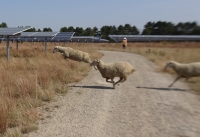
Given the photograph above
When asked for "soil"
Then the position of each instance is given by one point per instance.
(142, 106)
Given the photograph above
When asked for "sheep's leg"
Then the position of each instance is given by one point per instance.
(108, 81)
(125, 78)
(65, 55)
(121, 78)
(113, 83)
(174, 81)
(95, 67)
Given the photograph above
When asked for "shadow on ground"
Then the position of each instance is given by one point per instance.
(96, 87)
(166, 89)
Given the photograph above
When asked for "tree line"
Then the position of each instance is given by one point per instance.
(168, 28)
(150, 28)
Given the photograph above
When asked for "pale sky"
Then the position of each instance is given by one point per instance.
(90, 13)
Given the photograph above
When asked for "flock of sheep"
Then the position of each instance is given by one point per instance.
(124, 69)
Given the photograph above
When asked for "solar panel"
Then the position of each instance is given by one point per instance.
(42, 39)
(132, 38)
(27, 34)
(83, 38)
(104, 40)
(39, 34)
(12, 31)
(87, 39)
(63, 36)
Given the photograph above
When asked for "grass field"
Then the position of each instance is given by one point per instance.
(33, 77)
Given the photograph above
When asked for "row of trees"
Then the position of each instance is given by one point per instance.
(168, 28)
(150, 28)
(105, 30)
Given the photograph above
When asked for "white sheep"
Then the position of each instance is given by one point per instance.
(73, 54)
(110, 71)
(184, 70)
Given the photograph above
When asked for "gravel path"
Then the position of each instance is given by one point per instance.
(143, 106)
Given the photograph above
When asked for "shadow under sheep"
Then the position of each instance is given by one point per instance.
(164, 89)
(95, 87)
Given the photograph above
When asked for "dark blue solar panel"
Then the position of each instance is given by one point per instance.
(39, 34)
(12, 31)
(63, 36)
(119, 38)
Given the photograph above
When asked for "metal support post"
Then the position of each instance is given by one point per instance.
(8, 49)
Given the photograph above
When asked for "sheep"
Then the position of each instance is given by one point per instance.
(110, 71)
(73, 54)
(184, 70)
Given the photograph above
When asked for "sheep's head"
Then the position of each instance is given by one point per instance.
(55, 49)
(169, 65)
(95, 63)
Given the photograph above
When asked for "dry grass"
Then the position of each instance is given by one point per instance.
(33, 76)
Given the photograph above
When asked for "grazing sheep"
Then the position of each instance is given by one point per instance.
(184, 70)
(110, 71)
(73, 54)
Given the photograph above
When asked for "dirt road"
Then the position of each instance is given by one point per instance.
(143, 106)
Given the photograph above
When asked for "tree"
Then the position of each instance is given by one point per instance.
(70, 29)
(121, 30)
(148, 28)
(163, 28)
(79, 31)
(127, 28)
(95, 31)
(113, 30)
(38, 30)
(3, 25)
(158, 28)
(134, 31)
(105, 31)
(88, 32)
(63, 29)
(47, 30)
(187, 28)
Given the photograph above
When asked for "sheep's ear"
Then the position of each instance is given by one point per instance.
(98, 61)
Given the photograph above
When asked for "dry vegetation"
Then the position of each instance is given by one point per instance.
(33, 76)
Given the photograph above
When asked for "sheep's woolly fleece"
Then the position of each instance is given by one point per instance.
(184, 70)
(73, 54)
(112, 70)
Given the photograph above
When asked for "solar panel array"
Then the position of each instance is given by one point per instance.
(45, 36)
(12, 31)
(41, 37)
(83, 38)
(133, 38)
(87, 39)
(7, 32)
(63, 36)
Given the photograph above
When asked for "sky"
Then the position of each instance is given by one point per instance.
(96, 13)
